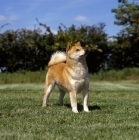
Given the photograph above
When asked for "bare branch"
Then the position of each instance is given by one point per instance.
(4, 25)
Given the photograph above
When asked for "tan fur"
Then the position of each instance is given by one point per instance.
(71, 76)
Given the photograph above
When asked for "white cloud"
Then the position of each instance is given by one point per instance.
(8, 19)
(54, 31)
(2, 18)
(13, 18)
(81, 19)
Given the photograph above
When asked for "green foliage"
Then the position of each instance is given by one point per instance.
(123, 1)
(125, 50)
(24, 49)
(31, 49)
(127, 15)
(114, 113)
(92, 38)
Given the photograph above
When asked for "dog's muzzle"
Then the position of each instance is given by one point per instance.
(85, 54)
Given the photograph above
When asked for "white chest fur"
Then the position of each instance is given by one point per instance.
(79, 75)
(77, 85)
(78, 71)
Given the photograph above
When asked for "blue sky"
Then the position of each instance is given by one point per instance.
(23, 13)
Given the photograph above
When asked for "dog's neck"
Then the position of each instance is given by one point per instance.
(74, 63)
(77, 68)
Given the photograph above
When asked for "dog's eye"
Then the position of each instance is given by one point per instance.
(77, 50)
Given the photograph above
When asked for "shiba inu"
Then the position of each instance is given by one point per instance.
(69, 72)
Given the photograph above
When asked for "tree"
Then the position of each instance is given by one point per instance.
(24, 50)
(127, 15)
(31, 49)
(92, 38)
(122, 1)
(127, 47)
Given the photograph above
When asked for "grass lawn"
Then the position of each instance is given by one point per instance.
(114, 113)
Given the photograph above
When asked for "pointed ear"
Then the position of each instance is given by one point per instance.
(68, 47)
(78, 43)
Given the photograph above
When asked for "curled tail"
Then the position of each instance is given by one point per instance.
(56, 58)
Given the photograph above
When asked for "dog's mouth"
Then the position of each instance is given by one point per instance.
(85, 54)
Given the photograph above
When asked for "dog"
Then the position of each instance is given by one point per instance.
(69, 72)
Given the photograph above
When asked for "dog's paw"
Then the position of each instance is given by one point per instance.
(75, 111)
(86, 110)
(43, 105)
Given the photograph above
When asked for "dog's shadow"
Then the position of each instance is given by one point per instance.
(80, 107)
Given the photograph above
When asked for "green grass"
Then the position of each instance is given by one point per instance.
(39, 76)
(112, 75)
(114, 113)
(23, 77)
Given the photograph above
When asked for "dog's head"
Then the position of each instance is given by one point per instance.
(76, 51)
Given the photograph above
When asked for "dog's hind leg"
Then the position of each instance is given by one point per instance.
(61, 96)
(47, 90)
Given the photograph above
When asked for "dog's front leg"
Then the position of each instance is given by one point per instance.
(73, 101)
(85, 98)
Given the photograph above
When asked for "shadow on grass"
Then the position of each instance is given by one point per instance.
(80, 107)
